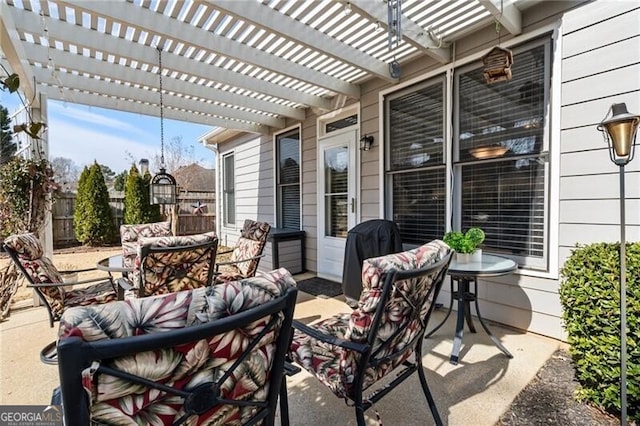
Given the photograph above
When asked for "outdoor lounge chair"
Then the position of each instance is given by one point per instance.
(247, 253)
(214, 355)
(129, 235)
(27, 253)
(351, 352)
(169, 264)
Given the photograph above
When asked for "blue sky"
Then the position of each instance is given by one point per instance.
(85, 134)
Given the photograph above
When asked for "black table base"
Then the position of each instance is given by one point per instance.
(464, 296)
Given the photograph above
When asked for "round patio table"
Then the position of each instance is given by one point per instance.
(462, 276)
(113, 264)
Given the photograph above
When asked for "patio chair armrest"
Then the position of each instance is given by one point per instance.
(71, 271)
(233, 262)
(87, 281)
(224, 252)
(347, 344)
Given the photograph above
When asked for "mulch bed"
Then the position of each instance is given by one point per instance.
(548, 399)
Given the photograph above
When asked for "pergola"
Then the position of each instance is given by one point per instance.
(243, 65)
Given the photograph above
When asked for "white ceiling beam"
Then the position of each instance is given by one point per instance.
(12, 47)
(119, 90)
(152, 22)
(128, 105)
(73, 34)
(412, 33)
(508, 15)
(262, 16)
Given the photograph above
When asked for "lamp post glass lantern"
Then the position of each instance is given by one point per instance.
(619, 132)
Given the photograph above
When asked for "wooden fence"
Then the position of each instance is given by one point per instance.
(189, 222)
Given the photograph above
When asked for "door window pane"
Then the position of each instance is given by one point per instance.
(228, 188)
(336, 183)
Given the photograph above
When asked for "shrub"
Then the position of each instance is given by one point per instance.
(137, 207)
(25, 189)
(590, 298)
(96, 220)
(80, 208)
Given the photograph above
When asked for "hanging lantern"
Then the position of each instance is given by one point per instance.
(497, 65)
(163, 188)
(163, 185)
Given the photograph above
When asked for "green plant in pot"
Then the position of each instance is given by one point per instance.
(465, 244)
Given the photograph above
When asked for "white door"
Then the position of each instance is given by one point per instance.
(337, 202)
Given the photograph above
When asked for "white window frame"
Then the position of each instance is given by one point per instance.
(277, 208)
(553, 120)
(225, 201)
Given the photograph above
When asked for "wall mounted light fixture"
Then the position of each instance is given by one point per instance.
(619, 131)
(365, 142)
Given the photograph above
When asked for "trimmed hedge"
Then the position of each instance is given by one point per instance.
(590, 298)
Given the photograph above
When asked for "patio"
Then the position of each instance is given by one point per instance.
(476, 391)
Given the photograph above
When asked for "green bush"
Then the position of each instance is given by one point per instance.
(93, 212)
(80, 207)
(590, 298)
(137, 207)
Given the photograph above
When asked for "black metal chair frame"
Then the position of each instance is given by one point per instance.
(75, 355)
(37, 286)
(369, 358)
(179, 270)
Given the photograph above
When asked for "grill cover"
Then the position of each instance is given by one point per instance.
(372, 238)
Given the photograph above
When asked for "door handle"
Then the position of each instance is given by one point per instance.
(353, 205)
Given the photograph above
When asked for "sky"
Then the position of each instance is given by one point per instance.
(86, 134)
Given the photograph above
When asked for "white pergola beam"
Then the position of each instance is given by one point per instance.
(508, 15)
(412, 33)
(128, 105)
(262, 16)
(72, 34)
(12, 47)
(152, 22)
(118, 90)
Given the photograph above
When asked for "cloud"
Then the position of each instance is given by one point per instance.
(84, 145)
(82, 114)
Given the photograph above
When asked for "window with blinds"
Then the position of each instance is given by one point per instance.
(501, 157)
(415, 166)
(228, 189)
(288, 179)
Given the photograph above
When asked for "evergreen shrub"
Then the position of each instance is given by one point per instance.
(93, 201)
(590, 298)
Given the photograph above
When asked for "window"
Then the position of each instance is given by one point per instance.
(499, 163)
(501, 166)
(288, 179)
(228, 190)
(415, 168)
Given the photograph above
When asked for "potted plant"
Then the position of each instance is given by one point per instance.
(466, 244)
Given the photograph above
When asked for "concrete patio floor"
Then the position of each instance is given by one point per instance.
(474, 392)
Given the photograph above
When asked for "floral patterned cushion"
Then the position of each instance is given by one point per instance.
(169, 271)
(129, 235)
(40, 269)
(251, 243)
(117, 401)
(335, 366)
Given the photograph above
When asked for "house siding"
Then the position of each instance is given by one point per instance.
(599, 50)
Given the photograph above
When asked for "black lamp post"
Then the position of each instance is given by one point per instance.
(619, 132)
